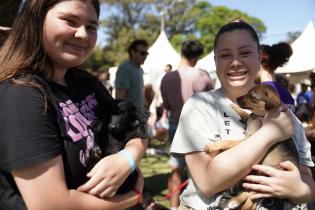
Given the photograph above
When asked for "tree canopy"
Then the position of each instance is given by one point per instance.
(126, 20)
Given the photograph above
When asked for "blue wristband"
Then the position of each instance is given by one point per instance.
(131, 162)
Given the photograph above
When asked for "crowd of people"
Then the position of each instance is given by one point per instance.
(53, 113)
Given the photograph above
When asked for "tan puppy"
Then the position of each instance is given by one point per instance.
(259, 100)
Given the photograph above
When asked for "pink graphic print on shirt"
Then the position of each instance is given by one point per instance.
(78, 118)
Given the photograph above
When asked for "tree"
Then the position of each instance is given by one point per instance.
(126, 20)
(292, 36)
(96, 61)
(210, 19)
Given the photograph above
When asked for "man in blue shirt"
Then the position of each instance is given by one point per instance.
(129, 77)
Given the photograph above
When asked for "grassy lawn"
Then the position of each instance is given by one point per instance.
(155, 169)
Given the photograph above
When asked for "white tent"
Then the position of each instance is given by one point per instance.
(303, 57)
(161, 53)
(207, 63)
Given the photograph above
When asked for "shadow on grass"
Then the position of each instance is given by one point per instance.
(156, 169)
(156, 184)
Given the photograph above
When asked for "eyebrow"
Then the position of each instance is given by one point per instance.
(246, 46)
(76, 17)
(240, 48)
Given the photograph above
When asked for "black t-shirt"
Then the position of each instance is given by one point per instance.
(39, 123)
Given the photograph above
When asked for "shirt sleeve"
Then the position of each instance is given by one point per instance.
(122, 77)
(28, 130)
(196, 126)
(302, 144)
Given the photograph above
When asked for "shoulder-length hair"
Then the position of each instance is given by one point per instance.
(23, 52)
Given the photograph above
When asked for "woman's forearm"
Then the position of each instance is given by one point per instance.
(83, 201)
(137, 148)
(232, 165)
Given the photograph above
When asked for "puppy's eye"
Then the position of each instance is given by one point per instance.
(252, 96)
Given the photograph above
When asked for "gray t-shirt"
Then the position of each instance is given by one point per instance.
(130, 77)
(208, 116)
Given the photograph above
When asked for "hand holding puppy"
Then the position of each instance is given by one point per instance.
(272, 182)
(106, 176)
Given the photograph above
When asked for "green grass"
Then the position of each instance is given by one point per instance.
(156, 170)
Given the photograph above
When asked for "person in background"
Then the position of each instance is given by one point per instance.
(292, 90)
(158, 98)
(310, 93)
(168, 68)
(49, 109)
(158, 121)
(149, 94)
(303, 97)
(176, 87)
(103, 75)
(129, 76)
(209, 117)
(273, 57)
(303, 105)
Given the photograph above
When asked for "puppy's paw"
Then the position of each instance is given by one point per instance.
(207, 148)
(239, 201)
(213, 149)
(233, 204)
(241, 112)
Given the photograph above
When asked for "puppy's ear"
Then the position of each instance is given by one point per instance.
(271, 104)
(272, 98)
(142, 113)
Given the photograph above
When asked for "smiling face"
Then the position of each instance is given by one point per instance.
(237, 62)
(70, 33)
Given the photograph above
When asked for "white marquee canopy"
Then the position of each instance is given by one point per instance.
(161, 53)
(207, 63)
(303, 57)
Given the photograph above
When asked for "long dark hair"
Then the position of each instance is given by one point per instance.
(23, 52)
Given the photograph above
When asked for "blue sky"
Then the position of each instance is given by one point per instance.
(279, 16)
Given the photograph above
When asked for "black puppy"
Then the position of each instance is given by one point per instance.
(129, 121)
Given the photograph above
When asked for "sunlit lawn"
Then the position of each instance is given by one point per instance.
(155, 169)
